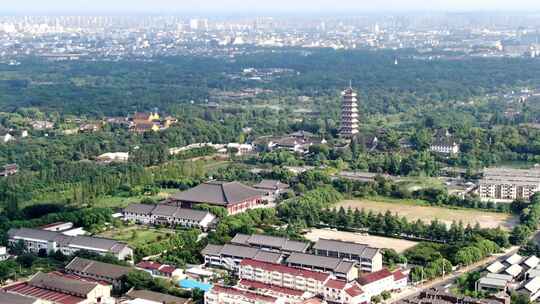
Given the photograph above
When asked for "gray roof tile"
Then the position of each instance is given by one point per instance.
(139, 208)
(337, 265)
(361, 250)
(270, 184)
(65, 285)
(156, 297)
(97, 268)
(12, 298)
(239, 251)
(218, 193)
(280, 243)
(168, 211)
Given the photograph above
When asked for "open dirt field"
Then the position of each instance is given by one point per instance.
(371, 240)
(428, 213)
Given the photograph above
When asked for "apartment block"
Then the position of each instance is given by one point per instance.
(505, 184)
(229, 256)
(368, 259)
(277, 278)
(340, 268)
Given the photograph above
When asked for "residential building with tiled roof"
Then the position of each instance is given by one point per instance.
(267, 242)
(272, 188)
(444, 143)
(274, 291)
(508, 184)
(154, 297)
(232, 295)
(170, 215)
(343, 269)
(106, 272)
(52, 241)
(297, 284)
(60, 290)
(159, 270)
(230, 255)
(13, 298)
(383, 280)
(369, 259)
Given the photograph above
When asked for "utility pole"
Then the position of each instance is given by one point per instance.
(443, 269)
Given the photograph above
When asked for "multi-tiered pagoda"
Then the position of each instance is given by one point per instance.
(349, 114)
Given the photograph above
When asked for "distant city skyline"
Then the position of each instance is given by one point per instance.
(322, 7)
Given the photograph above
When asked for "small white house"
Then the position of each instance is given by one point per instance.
(3, 253)
(5, 138)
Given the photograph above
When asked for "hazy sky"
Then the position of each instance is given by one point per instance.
(246, 6)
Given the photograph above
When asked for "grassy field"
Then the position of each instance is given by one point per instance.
(362, 238)
(415, 183)
(414, 210)
(122, 202)
(137, 235)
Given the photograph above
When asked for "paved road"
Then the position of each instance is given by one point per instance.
(450, 279)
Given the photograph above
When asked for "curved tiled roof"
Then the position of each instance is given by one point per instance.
(219, 193)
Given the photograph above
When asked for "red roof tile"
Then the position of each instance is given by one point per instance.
(398, 275)
(335, 284)
(374, 276)
(244, 293)
(354, 291)
(43, 294)
(319, 276)
(314, 300)
(149, 265)
(79, 278)
(267, 287)
(167, 269)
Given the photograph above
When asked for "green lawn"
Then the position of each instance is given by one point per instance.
(415, 183)
(137, 235)
(121, 202)
(211, 165)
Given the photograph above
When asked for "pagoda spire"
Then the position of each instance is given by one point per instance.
(349, 113)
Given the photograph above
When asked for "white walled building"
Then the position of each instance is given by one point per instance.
(3, 253)
(35, 240)
(231, 295)
(506, 184)
(280, 278)
(375, 283)
(368, 259)
(163, 214)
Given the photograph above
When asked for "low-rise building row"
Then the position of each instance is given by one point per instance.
(342, 259)
(159, 270)
(52, 241)
(513, 274)
(506, 184)
(103, 272)
(278, 283)
(57, 289)
(169, 215)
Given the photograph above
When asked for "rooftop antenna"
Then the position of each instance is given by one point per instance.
(350, 84)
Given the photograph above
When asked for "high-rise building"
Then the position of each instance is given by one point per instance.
(349, 114)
